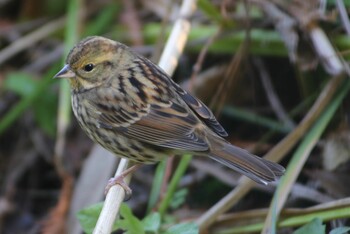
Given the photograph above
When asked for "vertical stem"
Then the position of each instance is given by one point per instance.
(64, 113)
(180, 170)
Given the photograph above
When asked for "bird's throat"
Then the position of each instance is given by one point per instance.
(75, 84)
(81, 85)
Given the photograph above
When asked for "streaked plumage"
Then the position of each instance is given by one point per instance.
(132, 108)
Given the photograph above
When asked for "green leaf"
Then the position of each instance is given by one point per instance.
(179, 198)
(45, 111)
(314, 227)
(212, 12)
(21, 83)
(156, 186)
(209, 9)
(151, 223)
(340, 230)
(180, 171)
(183, 228)
(103, 20)
(129, 223)
(88, 217)
(45, 107)
(16, 111)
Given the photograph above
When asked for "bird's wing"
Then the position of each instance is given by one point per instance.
(171, 127)
(202, 111)
(167, 127)
(198, 107)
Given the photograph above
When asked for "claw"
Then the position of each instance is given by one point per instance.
(119, 180)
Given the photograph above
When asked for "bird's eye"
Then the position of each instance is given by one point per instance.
(89, 67)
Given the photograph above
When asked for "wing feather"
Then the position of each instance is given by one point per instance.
(204, 113)
(198, 107)
(171, 127)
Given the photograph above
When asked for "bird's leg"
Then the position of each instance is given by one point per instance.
(119, 179)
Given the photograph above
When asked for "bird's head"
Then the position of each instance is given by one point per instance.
(91, 62)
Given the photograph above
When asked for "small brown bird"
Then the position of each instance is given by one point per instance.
(132, 108)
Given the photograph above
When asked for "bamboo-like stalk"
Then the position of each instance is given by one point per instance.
(168, 63)
(113, 201)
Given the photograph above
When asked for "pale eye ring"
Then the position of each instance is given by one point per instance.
(89, 67)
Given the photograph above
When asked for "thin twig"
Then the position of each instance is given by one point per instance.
(198, 65)
(166, 177)
(230, 77)
(325, 51)
(45, 60)
(284, 24)
(12, 32)
(344, 16)
(132, 21)
(272, 96)
(234, 67)
(28, 40)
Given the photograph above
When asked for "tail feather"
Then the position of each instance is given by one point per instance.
(277, 169)
(258, 169)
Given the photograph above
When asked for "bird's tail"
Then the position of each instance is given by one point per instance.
(258, 169)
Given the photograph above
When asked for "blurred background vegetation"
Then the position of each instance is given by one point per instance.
(268, 70)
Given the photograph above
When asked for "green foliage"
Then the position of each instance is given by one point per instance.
(262, 42)
(183, 228)
(340, 230)
(54, 7)
(103, 20)
(21, 83)
(179, 172)
(151, 224)
(128, 222)
(45, 111)
(211, 11)
(156, 186)
(178, 198)
(333, 3)
(45, 105)
(88, 217)
(314, 227)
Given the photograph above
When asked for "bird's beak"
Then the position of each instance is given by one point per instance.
(65, 72)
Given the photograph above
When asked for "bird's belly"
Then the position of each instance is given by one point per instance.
(127, 148)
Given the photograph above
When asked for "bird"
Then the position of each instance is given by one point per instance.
(131, 107)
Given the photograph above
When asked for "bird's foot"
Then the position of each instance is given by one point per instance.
(120, 181)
